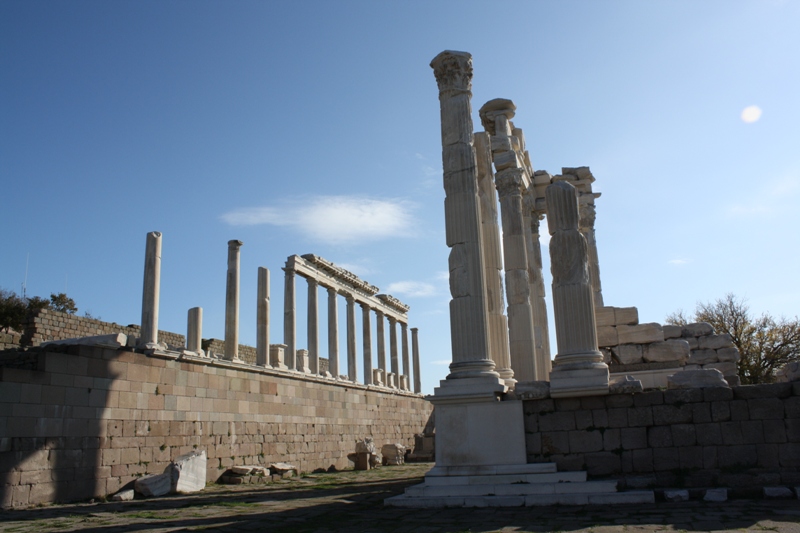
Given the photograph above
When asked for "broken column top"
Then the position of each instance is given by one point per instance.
(561, 194)
(492, 108)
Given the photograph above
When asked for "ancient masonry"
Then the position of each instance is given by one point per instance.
(90, 407)
(510, 429)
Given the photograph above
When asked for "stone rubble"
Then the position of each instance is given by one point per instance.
(189, 472)
(393, 454)
(153, 485)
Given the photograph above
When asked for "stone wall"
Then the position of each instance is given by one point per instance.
(86, 421)
(733, 437)
(48, 325)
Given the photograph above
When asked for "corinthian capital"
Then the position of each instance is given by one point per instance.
(587, 216)
(453, 71)
(510, 181)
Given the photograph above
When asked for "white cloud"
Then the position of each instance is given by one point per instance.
(441, 362)
(772, 199)
(411, 288)
(751, 114)
(356, 268)
(333, 219)
(679, 262)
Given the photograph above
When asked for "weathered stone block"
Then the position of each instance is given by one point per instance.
(739, 410)
(640, 416)
(604, 316)
(665, 415)
(731, 433)
(682, 396)
(739, 456)
(628, 316)
(702, 357)
(628, 354)
(728, 355)
(585, 441)
(684, 435)
(666, 459)
(696, 379)
(640, 334)
(715, 342)
(774, 431)
(655, 397)
(669, 350)
(680, 495)
(691, 457)
(602, 463)
(633, 438)
(698, 329)
(672, 332)
(188, 472)
(765, 408)
(607, 336)
(153, 485)
(659, 437)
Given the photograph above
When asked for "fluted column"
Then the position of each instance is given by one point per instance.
(393, 350)
(151, 292)
(541, 334)
(333, 334)
(415, 356)
(313, 326)
(380, 322)
(262, 318)
(578, 369)
(289, 320)
(468, 311)
(194, 330)
(352, 371)
(492, 260)
(367, 333)
(404, 351)
(586, 225)
(232, 302)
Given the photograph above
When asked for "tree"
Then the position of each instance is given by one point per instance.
(63, 303)
(764, 343)
(13, 310)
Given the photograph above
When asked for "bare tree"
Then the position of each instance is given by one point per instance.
(764, 343)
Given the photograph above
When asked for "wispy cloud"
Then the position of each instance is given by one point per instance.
(679, 262)
(411, 288)
(773, 199)
(441, 362)
(333, 219)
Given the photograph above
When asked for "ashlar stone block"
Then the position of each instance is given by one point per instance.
(607, 336)
(640, 334)
(669, 350)
(628, 354)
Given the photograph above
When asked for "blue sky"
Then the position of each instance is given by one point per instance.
(313, 127)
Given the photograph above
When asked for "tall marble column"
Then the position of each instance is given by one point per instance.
(151, 291)
(415, 356)
(313, 326)
(393, 350)
(578, 369)
(262, 318)
(492, 260)
(468, 310)
(367, 333)
(404, 351)
(541, 334)
(289, 319)
(232, 302)
(333, 334)
(194, 330)
(381, 345)
(586, 225)
(352, 371)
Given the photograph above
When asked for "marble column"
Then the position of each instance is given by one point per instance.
(404, 351)
(262, 318)
(586, 225)
(381, 344)
(232, 302)
(352, 371)
(313, 326)
(492, 260)
(151, 292)
(468, 310)
(541, 334)
(194, 330)
(333, 334)
(367, 333)
(578, 369)
(393, 350)
(415, 357)
(289, 319)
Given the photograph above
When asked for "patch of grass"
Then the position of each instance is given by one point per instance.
(234, 504)
(150, 515)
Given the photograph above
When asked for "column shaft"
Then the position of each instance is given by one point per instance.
(151, 291)
(313, 327)
(262, 318)
(194, 330)
(381, 344)
(352, 371)
(232, 302)
(333, 334)
(289, 320)
(393, 349)
(367, 333)
(404, 348)
(415, 356)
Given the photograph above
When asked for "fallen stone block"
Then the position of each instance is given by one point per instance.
(113, 340)
(625, 385)
(393, 454)
(696, 379)
(669, 350)
(153, 485)
(284, 469)
(716, 495)
(640, 334)
(123, 496)
(241, 470)
(789, 372)
(189, 472)
(778, 493)
(676, 495)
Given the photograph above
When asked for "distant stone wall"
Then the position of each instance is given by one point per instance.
(86, 421)
(48, 325)
(216, 346)
(738, 437)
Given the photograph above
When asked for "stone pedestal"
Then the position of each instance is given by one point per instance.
(377, 377)
(262, 318)
(232, 302)
(302, 361)
(578, 369)
(276, 356)
(151, 292)
(194, 330)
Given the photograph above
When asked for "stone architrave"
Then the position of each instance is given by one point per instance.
(492, 260)
(468, 310)
(262, 318)
(352, 371)
(333, 334)
(578, 369)
(415, 357)
(312, 327)
(380, 324)
(367, 333)
(404, 351)
(194, 330)
(393, 347)
(232, 302)
(289, 318)
(151, 292)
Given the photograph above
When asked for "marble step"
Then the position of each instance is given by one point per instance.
(552, 477)
(513, 489)
(530, 500)
(491, 470)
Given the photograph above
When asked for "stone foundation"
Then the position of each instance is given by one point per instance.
(84, 422)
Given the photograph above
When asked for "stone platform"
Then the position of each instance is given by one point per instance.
(529, 485)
